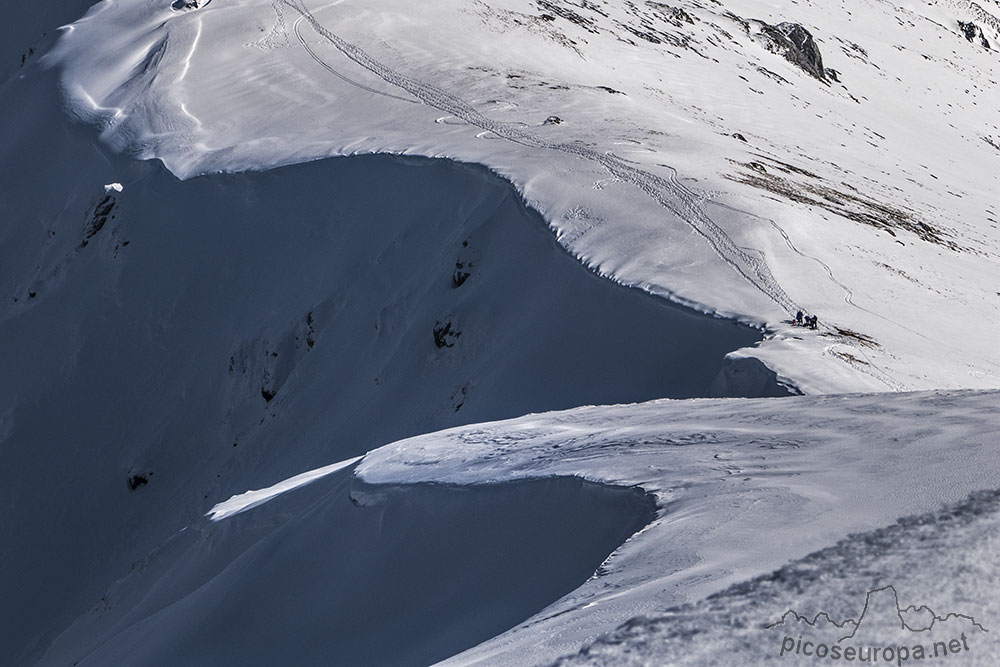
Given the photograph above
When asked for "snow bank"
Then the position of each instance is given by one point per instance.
(168, 344)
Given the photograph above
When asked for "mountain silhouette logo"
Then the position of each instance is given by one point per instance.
(912, 618)
(883, 628)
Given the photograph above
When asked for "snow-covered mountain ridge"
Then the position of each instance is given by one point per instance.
(225, 380)
(169, 343)
(658, 140)
(749, 488)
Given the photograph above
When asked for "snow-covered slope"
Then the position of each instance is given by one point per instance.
(173, 336)
(168, 342)
(663, 142)
(28, 28)
(741, 487)
(935, 571)
(356, 575)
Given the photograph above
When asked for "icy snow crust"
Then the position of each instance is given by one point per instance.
(250, 499)
(865, 198)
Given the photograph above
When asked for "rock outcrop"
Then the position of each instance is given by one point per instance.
(974, 33)
(797, 45)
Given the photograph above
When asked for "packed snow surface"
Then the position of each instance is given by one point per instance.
(923, 588)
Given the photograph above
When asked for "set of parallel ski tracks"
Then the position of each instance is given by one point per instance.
(669, 193)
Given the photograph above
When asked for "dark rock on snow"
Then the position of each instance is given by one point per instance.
(135, 481)
(973, 32)
(445, 335)
(797, 45)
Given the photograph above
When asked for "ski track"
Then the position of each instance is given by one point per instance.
(872, 370)
(322, 63)
(668, 193)
(849, 295)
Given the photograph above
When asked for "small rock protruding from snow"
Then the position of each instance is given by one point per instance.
(104, 211)
(445, 335)
(135, 481)
(973, 32)
(460, 275)
(797, 45)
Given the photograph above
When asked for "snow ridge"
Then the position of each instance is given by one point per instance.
(250, 499)
(668, 193)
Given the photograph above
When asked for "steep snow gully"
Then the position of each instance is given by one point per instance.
(168, 344)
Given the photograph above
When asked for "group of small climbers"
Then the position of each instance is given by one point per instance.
(808, 321)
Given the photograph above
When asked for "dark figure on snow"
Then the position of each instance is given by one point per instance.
(798, 318)
(811, 322)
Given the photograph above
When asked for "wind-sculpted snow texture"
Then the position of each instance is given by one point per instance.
(897, 586)
(440, 541)
(745, 487)
(833, 157)
(668, 193)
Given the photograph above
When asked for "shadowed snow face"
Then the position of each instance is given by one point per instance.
(352, 574)
(168, 344)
